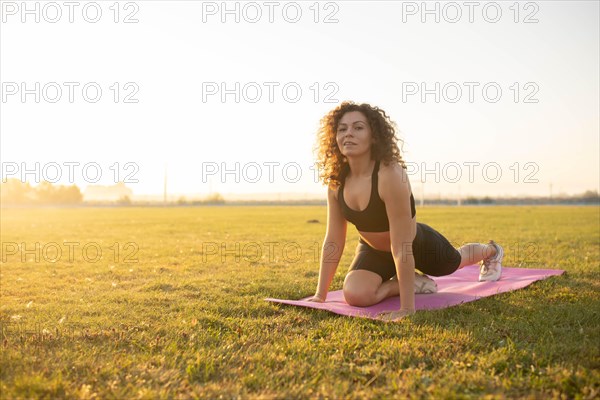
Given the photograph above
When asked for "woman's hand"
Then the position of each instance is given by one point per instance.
(393, 316)
(316, 299)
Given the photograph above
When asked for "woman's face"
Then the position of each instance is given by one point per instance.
(354, 135)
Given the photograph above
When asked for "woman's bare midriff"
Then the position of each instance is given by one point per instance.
(377, 240)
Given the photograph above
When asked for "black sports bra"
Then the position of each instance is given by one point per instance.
(374, 217)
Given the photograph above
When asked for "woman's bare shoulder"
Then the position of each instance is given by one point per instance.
(393, 170)
(393, 177)
(332, 191)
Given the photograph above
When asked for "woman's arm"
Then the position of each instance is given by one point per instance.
(333, 245)
(403, 228)
(330, 258)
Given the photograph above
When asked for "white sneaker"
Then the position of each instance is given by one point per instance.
(424, 284)
(491, 268)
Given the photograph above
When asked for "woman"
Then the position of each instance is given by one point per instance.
(368, 185)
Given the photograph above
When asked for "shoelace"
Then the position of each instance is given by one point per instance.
(486, 266)
(486, 261)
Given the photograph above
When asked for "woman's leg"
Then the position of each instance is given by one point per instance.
(434, 254)
(472, 253)
(364, 288)
(368, 279)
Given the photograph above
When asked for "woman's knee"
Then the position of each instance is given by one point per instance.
(359, 297)
(360, 288)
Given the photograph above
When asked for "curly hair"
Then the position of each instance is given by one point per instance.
(332, 163)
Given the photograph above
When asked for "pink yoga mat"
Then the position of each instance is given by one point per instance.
(460, 287)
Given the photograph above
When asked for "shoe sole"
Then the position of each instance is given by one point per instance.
(492, 278)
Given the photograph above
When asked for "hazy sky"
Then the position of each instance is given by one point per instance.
(536, 123)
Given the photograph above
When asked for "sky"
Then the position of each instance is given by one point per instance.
(499, 99)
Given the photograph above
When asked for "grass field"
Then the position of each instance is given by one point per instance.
(188, 319)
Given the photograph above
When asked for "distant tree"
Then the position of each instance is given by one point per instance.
(72, 194)
(214, 198)
(590, 196)
(67, 195)
(13, 191)
(47, 193)
(471, 200)
(124, 201)
(182, 201)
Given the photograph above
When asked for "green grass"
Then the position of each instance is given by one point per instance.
(182, 323)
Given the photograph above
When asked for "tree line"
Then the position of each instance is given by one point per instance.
(13, 191)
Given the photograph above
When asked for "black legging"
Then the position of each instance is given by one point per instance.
(433, 254)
